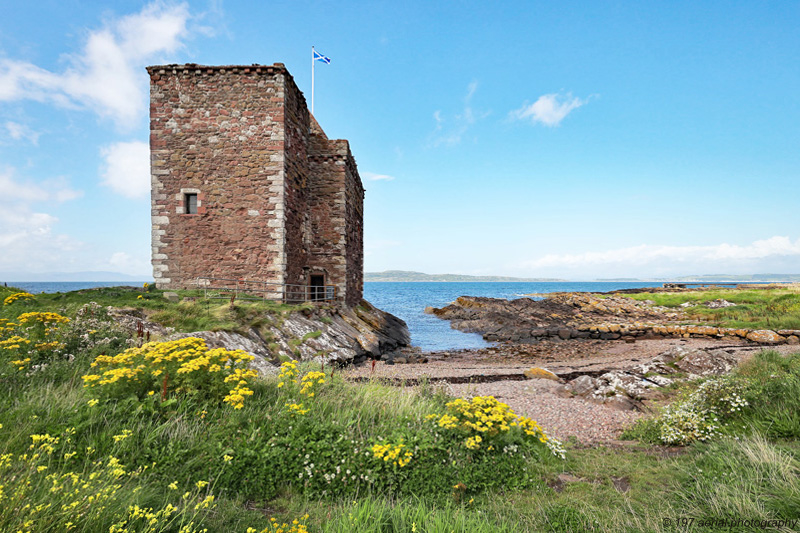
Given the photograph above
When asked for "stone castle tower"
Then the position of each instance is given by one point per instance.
(246, 185)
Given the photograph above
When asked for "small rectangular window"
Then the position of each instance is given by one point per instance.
(190, 203)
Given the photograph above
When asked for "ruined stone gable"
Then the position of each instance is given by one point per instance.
(246, 185)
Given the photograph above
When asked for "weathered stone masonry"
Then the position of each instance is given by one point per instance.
(277, 200)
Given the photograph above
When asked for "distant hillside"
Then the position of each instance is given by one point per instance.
(405, 275)
(71, 276)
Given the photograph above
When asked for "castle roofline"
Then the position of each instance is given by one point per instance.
(155, 71)
(255, 68)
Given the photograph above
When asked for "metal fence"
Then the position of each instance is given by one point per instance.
(239, 289)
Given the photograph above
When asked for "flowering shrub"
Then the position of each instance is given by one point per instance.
(288, 373)
(93, 331)
(37, 493)
(24, 296)
(308, 382)
(484, 419)
(297, 526)
(45, 318)
(392, 453)
(700, 415)
(184, 365)
(296, 408)
(33, 339)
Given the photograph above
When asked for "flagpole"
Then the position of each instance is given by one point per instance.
(312, 80)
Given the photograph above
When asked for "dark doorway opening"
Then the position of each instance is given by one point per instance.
(317, 287)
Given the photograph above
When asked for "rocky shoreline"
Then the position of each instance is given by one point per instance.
(580, 364)
(585, 316)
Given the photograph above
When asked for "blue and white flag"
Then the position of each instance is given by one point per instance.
(320, 57)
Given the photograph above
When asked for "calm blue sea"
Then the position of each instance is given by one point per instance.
(35, 287)
(408, 301)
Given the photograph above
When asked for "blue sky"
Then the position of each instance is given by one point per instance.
(574, 139)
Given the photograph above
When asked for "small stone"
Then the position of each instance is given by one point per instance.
(540, 373)
(793, 340)
(172, 297)
(622, 484)
(718, 304)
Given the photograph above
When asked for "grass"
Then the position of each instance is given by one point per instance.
(755, 308)
(753, 474)
(185, 441)
(192, 313)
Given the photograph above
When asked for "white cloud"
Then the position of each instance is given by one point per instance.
(19, 132)
(371, 176)
(128, 264)
(549, 109)
(108, 76)
(26, 235)
(12, 190)
(450, 131)
(126, 168)
(772, 254)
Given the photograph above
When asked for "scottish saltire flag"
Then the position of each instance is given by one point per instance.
(320, 57)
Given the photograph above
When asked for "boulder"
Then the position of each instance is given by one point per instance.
(703, 363)
(765, 336)
(620, 403)
(630, 384)
(582, 386)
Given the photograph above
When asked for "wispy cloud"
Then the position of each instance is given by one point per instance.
(129, 264)
(20, 132)
(16, 191)
(371, 176)
(450, 131)
(549, 109)
(27, 235)
(126, 168)
(649, 260)
(107, 76)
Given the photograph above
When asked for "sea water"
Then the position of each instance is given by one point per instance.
(408, 301)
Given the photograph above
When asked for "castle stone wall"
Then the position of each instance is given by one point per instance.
(219, 133)
(278, 200)
(354, 231)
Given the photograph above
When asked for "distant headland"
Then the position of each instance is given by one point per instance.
(406, 275)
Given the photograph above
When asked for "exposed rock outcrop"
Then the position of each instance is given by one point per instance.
(559, 315)
(625, 389)
(329, 335)
(583, 316)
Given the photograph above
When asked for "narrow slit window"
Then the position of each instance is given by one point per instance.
(190, 201)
